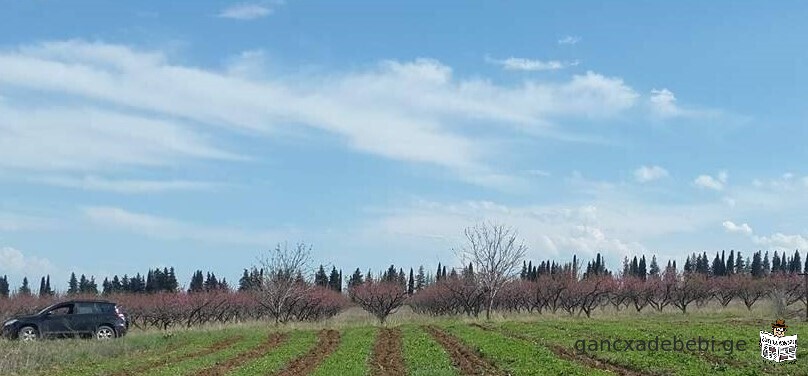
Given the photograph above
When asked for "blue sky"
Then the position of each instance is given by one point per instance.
(147, 133)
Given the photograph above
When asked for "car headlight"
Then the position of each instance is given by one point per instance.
(9, 322)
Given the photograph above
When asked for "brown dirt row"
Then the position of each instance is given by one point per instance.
(388, 359)
(564, 353)
(219, 369)
(210, 349)
(327, 343)
(468, 361)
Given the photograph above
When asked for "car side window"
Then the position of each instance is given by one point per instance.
(62, 310)
(85, 308)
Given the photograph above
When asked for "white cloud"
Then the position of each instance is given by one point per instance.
(569, 39)
(782, 241)
(663, 103)
(16, 263)
(137, 108)
(246, 12)
(94, 183)
(714, 183)
(167, 228)
(649, 173)
(732, 227)
(777, 240)
(522, 64)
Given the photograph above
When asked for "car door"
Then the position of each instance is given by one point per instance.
(86, 317)
(57, 321)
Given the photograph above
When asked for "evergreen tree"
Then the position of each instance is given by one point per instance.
(320, 278)
(244, 281)
(766, 266)
(740, 264)
(106, 287)
(334, 282)
(523, 273)
(355, 279)
(4, 288)
(730, 265)
(172, 285)
(775, 263)
(369, 277)
(626, 269)
(116, 284)
(420, 279)
(642, 270)
(444, 272)
(757, 265)
(411, 283)
(73, 285)
(42, 291)
(654, 270)
(439, 273)
(689, 267)
(717, 265)
(197, 282)
(48, 289)
(24, 290)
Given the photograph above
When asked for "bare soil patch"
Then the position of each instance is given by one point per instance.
(210, 349)
(388, 359)
(327, 343)
(468, 361)
(274, 340)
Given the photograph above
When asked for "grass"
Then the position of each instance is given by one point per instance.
(517, 357)
(297, 344)
(518, 344)
(352, 356)
(423, 355)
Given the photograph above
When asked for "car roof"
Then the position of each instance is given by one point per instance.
(86, 301)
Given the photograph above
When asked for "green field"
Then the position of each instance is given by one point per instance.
(533, 346)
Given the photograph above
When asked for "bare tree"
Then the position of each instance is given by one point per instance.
(380, 298)
(496, 254)
(283, 282)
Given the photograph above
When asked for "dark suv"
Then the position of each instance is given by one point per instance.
(98, 318)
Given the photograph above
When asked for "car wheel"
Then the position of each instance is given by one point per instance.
(104, 332)
(28, 333)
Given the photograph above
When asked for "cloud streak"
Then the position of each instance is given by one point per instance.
(139, 109)
(246, 12)
(531, 65)
(172, 229)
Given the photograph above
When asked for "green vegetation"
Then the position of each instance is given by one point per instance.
(529, 347)
(423, 355)
(352, 356)
(298, 343)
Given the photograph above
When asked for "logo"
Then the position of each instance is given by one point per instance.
(776, 346)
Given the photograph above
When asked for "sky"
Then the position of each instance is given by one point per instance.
(201, 134)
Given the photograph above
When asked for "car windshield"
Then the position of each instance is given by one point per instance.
(46, 309)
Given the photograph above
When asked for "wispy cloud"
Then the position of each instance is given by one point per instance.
(246, 12)
(569, 39)
(137, 109)
(709, 182)
(168, 228)
(95, 183)
(522, 64)
(664, 104)
(11, 222)
(646, 174)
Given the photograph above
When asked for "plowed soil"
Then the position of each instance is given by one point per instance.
(274, 340)
(468, 361)
(212, 348)
(388, 359)
(327, 343)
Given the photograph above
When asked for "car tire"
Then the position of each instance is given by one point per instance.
(27, 334)
(105, 332)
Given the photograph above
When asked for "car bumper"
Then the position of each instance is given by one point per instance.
(9, 332)
(121, 330)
